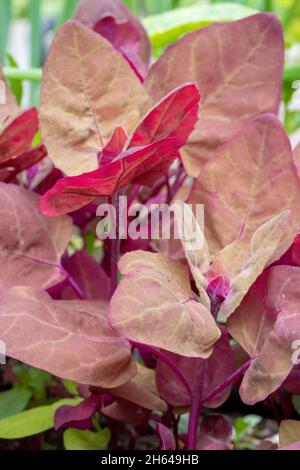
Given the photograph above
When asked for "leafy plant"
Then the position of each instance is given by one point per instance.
(151, 332)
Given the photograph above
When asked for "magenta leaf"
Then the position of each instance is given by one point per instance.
(25, 160)
(114, 22)
(17, 133)
(215, 433)
(166, 436)
(163, 131)
(88, 275)
(80, 416)
(69, 338)
(174, 116)
(31, 244)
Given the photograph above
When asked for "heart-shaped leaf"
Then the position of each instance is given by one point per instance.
(258, 164)
(166, 294)
(71, 339)
(252, 259)
(266, 325)
(31, 244)
(237, 67)
(88, 89)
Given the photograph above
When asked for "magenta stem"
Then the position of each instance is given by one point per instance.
(180, 177)
(196, 406)
(115, 249)
(198, 400)
(229, 381)
(163, 357)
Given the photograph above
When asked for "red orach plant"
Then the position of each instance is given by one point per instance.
(181, 328)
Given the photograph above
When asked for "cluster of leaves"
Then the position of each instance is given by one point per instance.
(182, 327)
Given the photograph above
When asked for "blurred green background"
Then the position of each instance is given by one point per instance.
(28, 26)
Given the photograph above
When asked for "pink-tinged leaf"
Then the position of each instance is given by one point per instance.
(166, 437)
(252, 258)
(266, 325)
(236, 206)
(27, 159)
(114, 146)
(10, 108)
(289, 435)
(195, 248)
(80, 416)
(174, 116)
(31, 244)
(166, 293)
(89, 276)
(115, 22)
(297, 157)
(219, 367)
(141, 390)
(138, 394)
(237, 67)
(71, 339)
(17, 133)
(292, 382)
(126, 412)
(88, 89)
(71, 193)
(215, 433)
(295, 251)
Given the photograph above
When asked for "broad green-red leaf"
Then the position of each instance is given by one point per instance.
(252, 179)
(88, 89)
(71, 339)
(31, 244)
(154, 304)
(251, 259)
(237, 67)
(266, 325)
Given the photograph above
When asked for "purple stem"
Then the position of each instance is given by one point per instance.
(115, 249)
(196, 406)
(198, 399)
(133, 194)
(161, 355)
(229, 381)
(180, 177)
